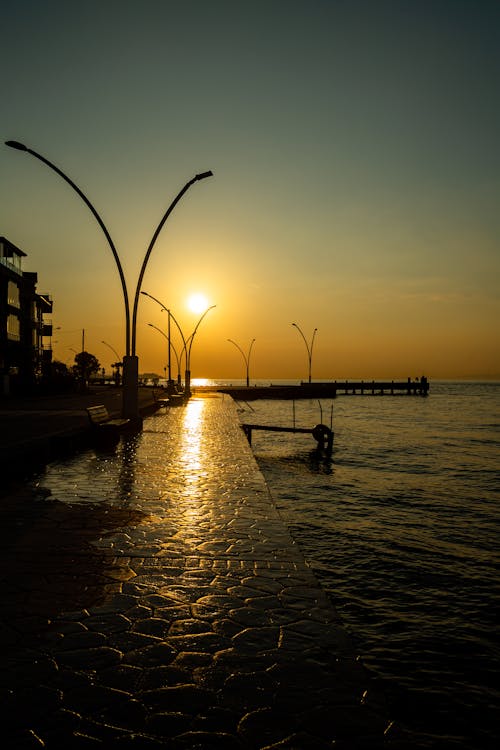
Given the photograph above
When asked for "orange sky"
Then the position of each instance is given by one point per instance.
(355, 190)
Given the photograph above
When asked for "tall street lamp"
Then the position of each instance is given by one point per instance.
(246, 357)
(309, 348)
(170, 345)
(188, 352)
(170, 316)
(118, 362)
(188, 343)
(130, 403)
(112, 349)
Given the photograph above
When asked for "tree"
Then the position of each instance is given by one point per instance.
(59, 369)
(85, 365)
(59, 378)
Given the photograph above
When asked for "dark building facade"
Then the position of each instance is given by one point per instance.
(25, 331)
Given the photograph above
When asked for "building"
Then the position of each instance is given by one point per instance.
(25, 332)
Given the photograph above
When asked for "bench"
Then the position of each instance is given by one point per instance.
(100, 419)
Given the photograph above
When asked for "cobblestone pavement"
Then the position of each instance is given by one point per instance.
(153, 597)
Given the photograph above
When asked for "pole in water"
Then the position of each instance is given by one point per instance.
(320, 411)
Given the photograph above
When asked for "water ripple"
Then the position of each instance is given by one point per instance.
(402, 529)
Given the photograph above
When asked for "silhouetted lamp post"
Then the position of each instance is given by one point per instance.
(130, 402)
(170, 316)
(174, 350)
(309, 348)
(188, 352)
(246, 357)
(188, 343)
(112, 348)
(118, 363)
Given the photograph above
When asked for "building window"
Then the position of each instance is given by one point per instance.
(13, 294)
(10, 258)
(13, 328)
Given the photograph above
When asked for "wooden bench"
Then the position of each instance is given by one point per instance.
(175, 399)
(100, 420)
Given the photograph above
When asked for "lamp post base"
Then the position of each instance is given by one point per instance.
(130, 394)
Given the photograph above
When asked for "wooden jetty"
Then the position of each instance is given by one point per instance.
(320, 432)
(329, 389)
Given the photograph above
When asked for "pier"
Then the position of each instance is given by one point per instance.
(329, 389)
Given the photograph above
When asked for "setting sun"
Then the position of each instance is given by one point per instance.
(197, 302)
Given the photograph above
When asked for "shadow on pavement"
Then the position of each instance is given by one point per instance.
(48, 562)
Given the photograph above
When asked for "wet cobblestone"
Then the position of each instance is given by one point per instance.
(156, 599)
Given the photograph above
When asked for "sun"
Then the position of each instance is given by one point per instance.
(197, 302)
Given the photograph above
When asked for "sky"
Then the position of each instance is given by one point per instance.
(355, 153)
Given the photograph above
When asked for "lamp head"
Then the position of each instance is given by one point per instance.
(202, 175)
(16, 144)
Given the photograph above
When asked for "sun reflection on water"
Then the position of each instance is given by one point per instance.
(200, 381)
(191, 462)
(191, 437)
(192, 457)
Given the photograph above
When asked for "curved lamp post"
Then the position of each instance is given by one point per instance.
(309, 348)
(188, 343)
(175, 352)
(130, 405)
(246, 357)
(188, 351)
(112, 349)
(118, 363)
(170, 316)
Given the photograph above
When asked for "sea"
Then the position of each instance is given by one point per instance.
(401, 526)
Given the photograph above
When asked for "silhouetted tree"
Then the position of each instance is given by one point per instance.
(58, 378)
(59, 369)
(85, 366)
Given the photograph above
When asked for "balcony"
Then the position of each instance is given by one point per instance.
(45, 303)
(11, 265)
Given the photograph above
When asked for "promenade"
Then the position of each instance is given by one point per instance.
(153, 597)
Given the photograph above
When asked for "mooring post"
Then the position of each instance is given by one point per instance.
(323, 434)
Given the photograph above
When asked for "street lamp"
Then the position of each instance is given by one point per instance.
(246, 357)
(188, 343)
(112, 349)
(118, 362)
(175, 352)
(170, 316)
(188, 353)
(130, 404)
(309, 348)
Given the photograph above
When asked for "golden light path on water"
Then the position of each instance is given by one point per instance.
(191, 439)
(190, 459)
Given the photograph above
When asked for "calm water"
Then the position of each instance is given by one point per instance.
(402, 527)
